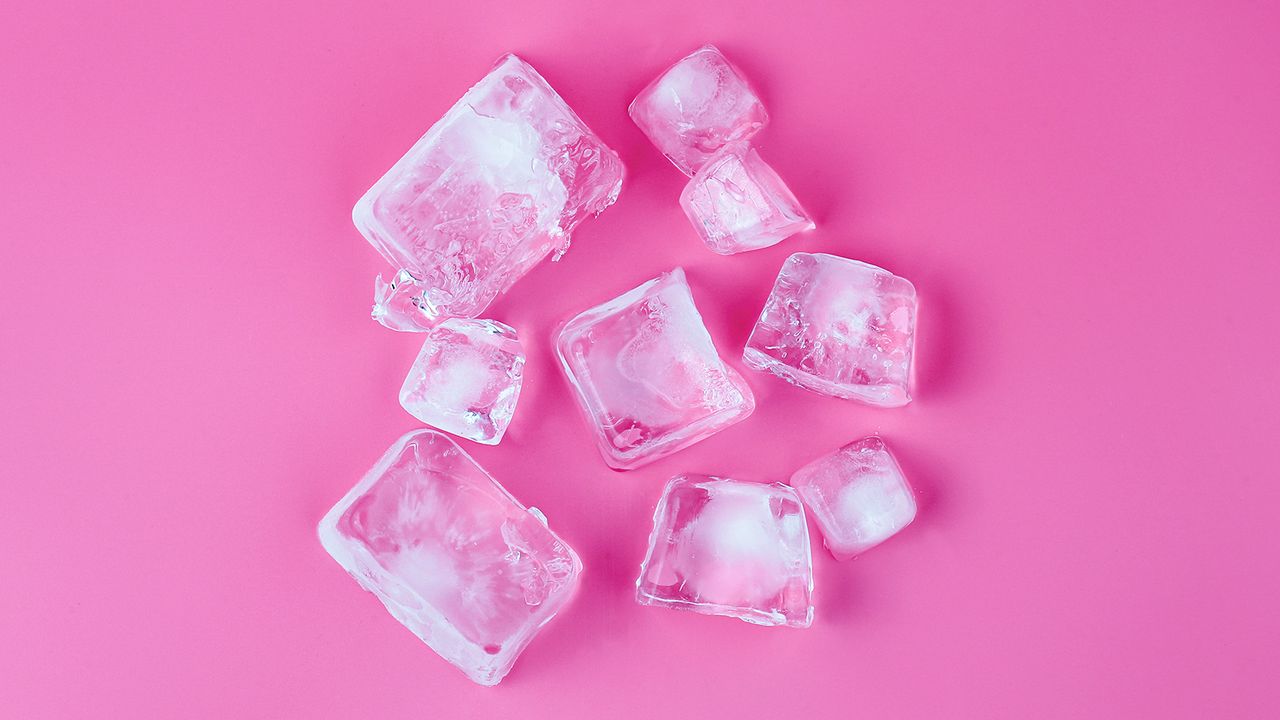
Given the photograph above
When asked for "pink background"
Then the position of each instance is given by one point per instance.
(1087, 197)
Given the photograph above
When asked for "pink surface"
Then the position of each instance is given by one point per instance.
(1087, 199)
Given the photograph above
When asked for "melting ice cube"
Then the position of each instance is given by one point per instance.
(492, 188)
(737, 203)
(646, 374)
(858, 496)
(696, 106)
(728, 547)
(466, 379)
(838, 327)
(451, 554)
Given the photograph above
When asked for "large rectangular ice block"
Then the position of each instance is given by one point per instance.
(646, 374)
(858, 496)
(492, 188)
(696, 106)
(451, 554)
(728, 547)
(838, 327)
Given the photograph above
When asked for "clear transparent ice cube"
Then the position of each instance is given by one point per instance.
(466, 379)
(451, 554)
(727, 547)
(838, 327)
(493, 187)
(696, 106)
(647, 375)
(858, 496)
(737, 202)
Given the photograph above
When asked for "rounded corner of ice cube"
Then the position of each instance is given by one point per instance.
(539, 515)
(362, 216)
(631, 106)
(482, 439)
(752, 358)
(722, 250)
(889, 396)
(507, 57)
(511, 62)
(747, 405)
(675, 274)
(617, 460)
(327, 529)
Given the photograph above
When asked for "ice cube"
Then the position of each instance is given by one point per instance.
(492, 188)
(466, 379)
(696, 106)
(646, 374)
(838, 327)
(737, 202)
(400, 305)
(728, 547)
(858, 496)
(451, 554)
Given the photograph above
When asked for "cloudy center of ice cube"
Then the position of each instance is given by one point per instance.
(461, 382)
(427, 568)
(689, 88)
(849, 316)
(509, 155)
(739, 549)
(874, 506)
(670, 358)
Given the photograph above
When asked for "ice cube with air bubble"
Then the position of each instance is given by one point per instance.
(696, 106)
(466, 379)
(737, 202)
(647, 375)
(492, 188)
(858, 495)
(838, 327)
(721, 546)
(451, 554)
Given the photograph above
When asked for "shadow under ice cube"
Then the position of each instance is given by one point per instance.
(451, 554)
(493, 187)
(728, 547)
(838, 327)
(858, 496)
(647, 376)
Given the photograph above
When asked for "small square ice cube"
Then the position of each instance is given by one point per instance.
(737, 202)
(491, 189)
(728, 547)
(451, 554)
(646, 374)
(838, 327)
(466, 379)
(858, 496)
(696, 106)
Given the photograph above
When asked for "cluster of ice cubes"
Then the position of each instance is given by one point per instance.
(702, 113)
(492, 188)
